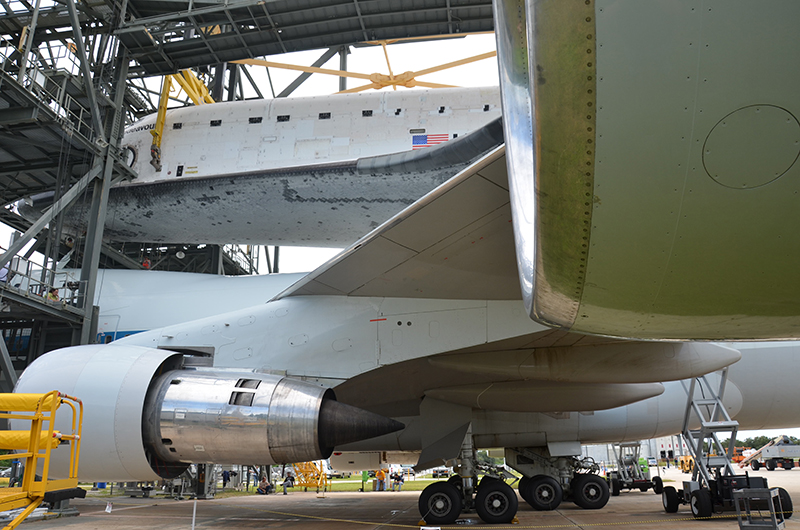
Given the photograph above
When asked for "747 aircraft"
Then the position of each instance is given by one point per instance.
(646, 191)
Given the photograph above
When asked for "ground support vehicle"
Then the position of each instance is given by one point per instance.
(713, 480)
(686, 463)
(630, 473)
(440, 472)
(718, 495)
(778, 452)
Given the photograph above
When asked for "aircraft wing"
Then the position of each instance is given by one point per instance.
(455, 243)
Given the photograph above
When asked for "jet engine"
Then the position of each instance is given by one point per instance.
(149, 413)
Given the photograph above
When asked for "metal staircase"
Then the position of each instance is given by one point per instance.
(704, 403)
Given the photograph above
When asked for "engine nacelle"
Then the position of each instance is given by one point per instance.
(234, 417)
(147, 416)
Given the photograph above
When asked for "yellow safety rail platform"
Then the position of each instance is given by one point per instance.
(37, 445)
(310, 475)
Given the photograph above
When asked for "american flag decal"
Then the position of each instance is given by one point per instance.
(418, 141)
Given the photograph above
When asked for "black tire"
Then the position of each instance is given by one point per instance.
(755, 465)
(787, 464)
(543, 493)
(616, 487)
(440, 503)
(522, 488)
(670, 499)
(590, 492)
(786, 503)
(496, 502)
(658, 485)
(701, 504)
(486, 479)
(770, 465)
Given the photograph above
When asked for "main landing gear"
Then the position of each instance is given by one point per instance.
(494, 501)
(546, 482)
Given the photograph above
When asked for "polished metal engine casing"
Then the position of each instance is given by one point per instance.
(235, 417)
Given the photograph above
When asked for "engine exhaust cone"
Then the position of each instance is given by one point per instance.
(341, 424)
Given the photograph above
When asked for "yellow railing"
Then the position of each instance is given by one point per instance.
(37, 444)
(311, 475)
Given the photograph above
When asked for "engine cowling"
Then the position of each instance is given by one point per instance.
(148, 416)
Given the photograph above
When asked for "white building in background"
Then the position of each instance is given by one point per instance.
(667, 447)
(671, 447)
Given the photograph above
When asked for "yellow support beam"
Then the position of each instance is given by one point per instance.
(376, 80)
(194, 88)
(155, 147)
(196, 91)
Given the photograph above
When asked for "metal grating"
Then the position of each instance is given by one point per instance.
(168, 36)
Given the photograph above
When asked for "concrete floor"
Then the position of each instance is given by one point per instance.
(384, 510)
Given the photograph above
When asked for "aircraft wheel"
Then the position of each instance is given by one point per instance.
(590, 492)
(756, 465)
(440, 503)
(522, 487)
(496, 502)
(701, 504)
(670, 499)
(616, 487)
(456, 481)
(786, 503)
(770, 465)
(658, 485)
(543, 493)
(486, 479)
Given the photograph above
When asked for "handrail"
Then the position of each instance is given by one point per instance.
(40, 409)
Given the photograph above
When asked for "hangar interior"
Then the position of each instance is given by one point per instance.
(72, 77)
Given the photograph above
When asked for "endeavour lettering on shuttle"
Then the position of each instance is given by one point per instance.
(146, 127)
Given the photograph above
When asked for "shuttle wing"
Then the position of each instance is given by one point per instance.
(455, 243)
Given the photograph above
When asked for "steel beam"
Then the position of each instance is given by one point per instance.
(97, 213)
(140, 23)
(64, 201)
(7, 367)
(122, 259)
(87, 73)
(305, 75)
(344, 51)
